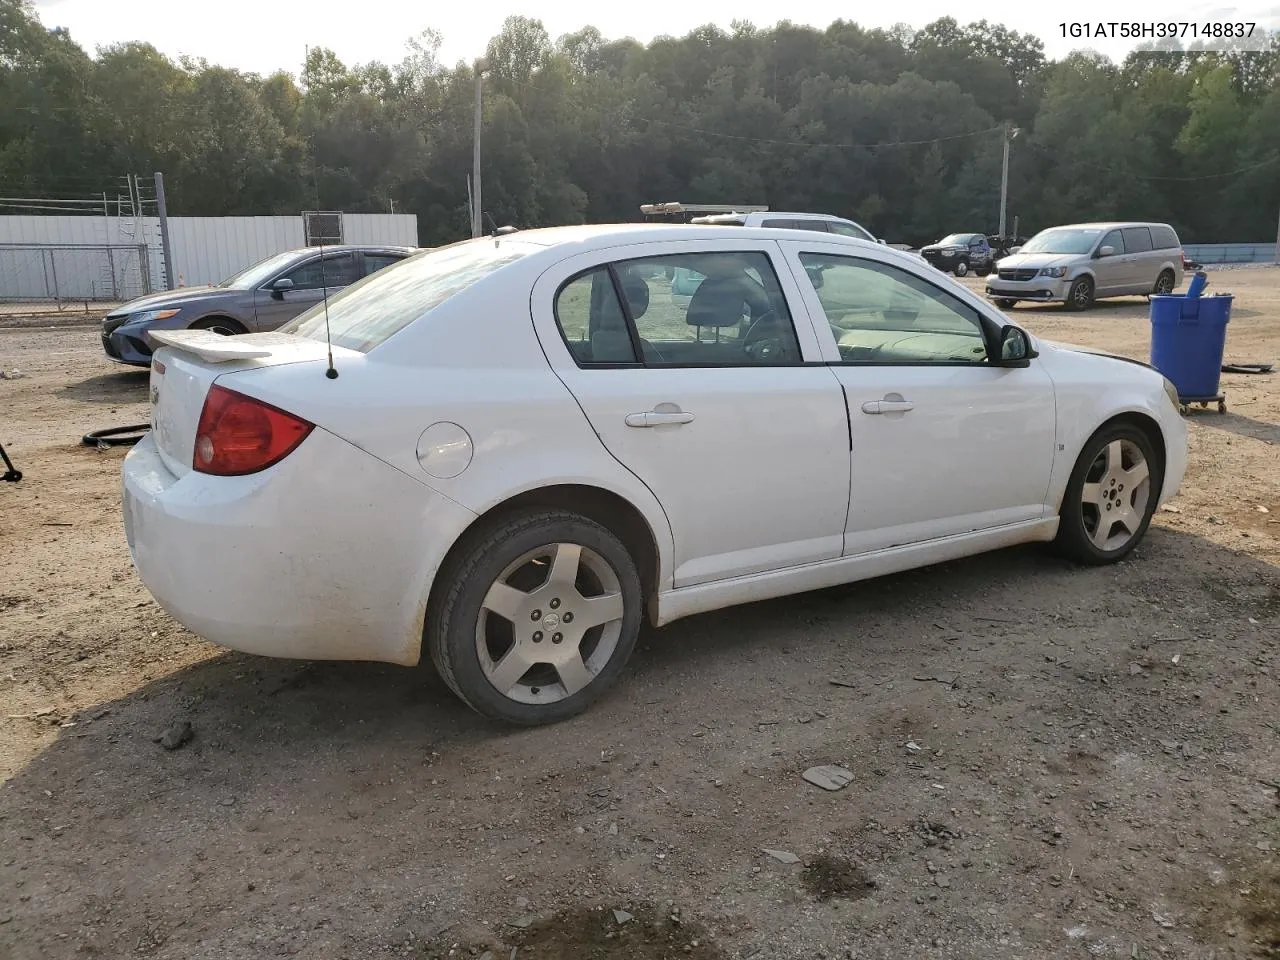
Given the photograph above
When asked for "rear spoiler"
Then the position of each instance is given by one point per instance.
(210, 346)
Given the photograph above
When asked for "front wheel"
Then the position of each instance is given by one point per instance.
(220, 325)
(961, 268)
(1004, 303)
(1110, 496)
(536, 618)
(1080, 296)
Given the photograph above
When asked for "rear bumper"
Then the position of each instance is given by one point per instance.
(328, 555)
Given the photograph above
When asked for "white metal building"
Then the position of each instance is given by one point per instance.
(118, 258)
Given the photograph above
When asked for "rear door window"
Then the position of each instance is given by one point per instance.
(736, 315)
(1136, 239)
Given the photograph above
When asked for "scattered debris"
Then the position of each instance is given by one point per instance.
(782, 856)
(828, 877)
(175, 735)
(842, 683)
(948, 681)
(829, 777)
(622, 916)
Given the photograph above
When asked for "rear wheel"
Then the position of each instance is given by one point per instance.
(1164, 284)
(222, 325)
(1080, 296)
(1110, 496)
(537, 617)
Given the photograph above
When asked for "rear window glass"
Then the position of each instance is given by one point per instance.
(371, 310)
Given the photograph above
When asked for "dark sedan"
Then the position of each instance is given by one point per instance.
(263, 297)
(959, 253)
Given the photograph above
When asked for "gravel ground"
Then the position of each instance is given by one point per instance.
(1046, 761)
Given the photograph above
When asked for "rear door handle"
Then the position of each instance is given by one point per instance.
(652, 418)
(887, 406)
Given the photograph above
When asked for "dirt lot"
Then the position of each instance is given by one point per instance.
(1048, 761)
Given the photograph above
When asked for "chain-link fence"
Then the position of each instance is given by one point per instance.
(56, 272)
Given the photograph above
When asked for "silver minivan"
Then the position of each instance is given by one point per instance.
(1083, 262)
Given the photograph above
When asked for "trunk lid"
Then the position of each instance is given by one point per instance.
(187, 363)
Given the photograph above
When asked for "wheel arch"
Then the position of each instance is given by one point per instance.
(218, 315)
(1139, 419)
(611, 510)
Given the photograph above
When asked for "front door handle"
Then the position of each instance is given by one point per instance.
(655, 418)
(896, 405)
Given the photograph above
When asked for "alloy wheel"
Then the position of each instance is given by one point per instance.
(1115, 495)
(549, 623)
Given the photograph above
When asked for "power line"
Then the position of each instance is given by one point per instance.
(838, 146)
(1216, 176)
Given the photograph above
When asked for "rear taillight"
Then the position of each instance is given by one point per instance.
(238, 434)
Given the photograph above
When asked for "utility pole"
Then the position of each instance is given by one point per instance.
(477, 221)
(163, 212)
(1010, 132)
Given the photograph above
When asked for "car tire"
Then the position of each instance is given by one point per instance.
(1080, 296)
(515, 564)
(961, 268)
(223, 325)
(1101, 490)
(1004, 303)
(983, 271)
(1164, 284)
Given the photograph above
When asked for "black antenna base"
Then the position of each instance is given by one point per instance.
(331, 373)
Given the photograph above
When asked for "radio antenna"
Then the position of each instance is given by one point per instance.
(331, 372)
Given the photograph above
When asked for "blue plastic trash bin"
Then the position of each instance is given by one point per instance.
(1188, 335)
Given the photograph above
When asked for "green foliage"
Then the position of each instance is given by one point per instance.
(899, 129)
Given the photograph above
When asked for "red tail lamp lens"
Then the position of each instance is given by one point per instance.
(238, 434)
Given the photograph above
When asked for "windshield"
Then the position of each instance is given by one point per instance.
(260, 272)
(956, 240)
(1060, 240)
(369, 311)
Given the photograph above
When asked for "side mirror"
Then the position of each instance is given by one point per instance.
(1106, 251)
(879, 241)
(815, 276)
(281, 287)
(1015, 347)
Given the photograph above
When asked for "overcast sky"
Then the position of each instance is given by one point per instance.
(266, 35)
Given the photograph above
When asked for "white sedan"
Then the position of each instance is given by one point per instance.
(520, 446)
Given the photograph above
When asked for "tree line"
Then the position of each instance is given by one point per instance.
(900, 130)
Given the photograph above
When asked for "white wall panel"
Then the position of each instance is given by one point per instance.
(205, 250)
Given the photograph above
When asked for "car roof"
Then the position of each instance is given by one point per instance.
(1107, 225)
(599, 235)
(356, 247)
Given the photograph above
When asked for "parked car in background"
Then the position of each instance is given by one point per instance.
(818, 222)
(1083, 262)
(261, 297)
(528, 443)
(685, 282)
(959, 253)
